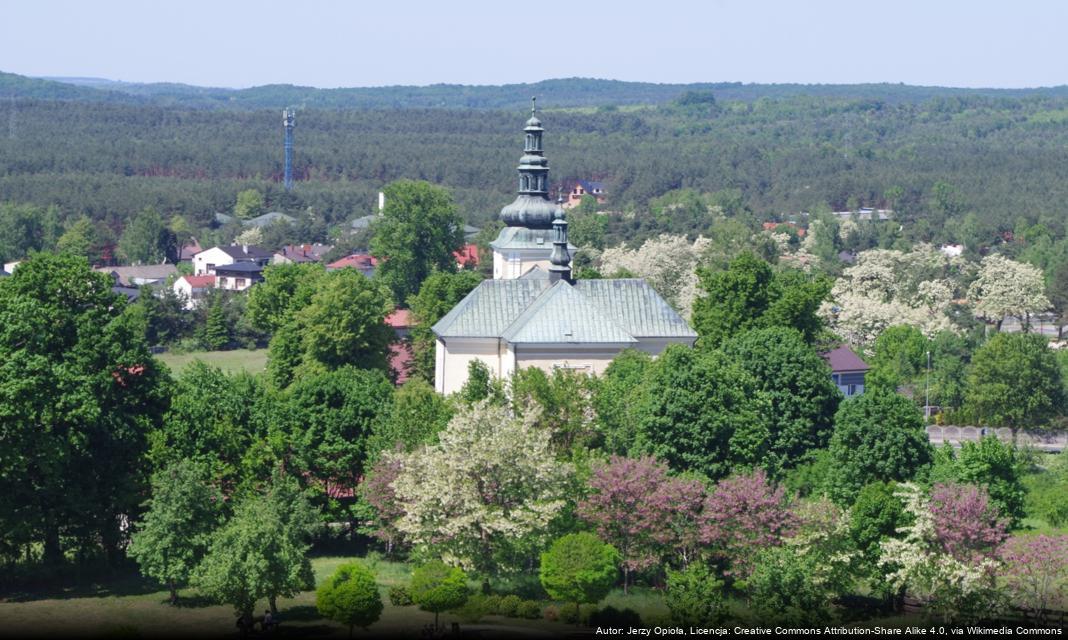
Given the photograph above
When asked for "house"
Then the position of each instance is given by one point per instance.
(534, 313)
(238, 276)
(365, 263)
(952, 250)
(363, 222)
(772, 226)
(301, 253)
(467, 256)
(192, 289)
(206, 261)
(847, 370)
(865, 213)
(268, 219)
(188, 250)
(135, 276)
(10, 266)
(582, 188)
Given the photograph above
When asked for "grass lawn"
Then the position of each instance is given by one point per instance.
(252, 361)
(139, 609)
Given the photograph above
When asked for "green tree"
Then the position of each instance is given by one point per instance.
(990, 464)
(335, 413)
(437, 587)
(217, 328)
(797, 383)
(82, 239)
(438, 294)
(695, 597)
(79, 394)
(146, 240)
(579, 568)
(286, 288)
(617, 399)
(182, 514)
(418, 233)
(341, 325)
(563, 399)
(350, 596)
(249, 204)
(876, 515)
(878, 436)
(417, 415)
(900, 355)
(1014, 382)
(700, 413)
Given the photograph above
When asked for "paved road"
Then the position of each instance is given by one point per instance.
(956, 435)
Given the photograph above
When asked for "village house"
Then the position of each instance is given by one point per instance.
(365, 263)
(136, 276)
(192, 289)
(238, 276)
(206, 262)
(847, 370)
(301, 253)
(582, 188)
(534, 313)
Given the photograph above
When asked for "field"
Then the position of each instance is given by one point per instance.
(251, 361)
(136, 608)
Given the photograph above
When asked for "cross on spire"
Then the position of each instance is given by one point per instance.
(533, 104)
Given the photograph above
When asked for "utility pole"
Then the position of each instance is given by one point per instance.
(927, 401)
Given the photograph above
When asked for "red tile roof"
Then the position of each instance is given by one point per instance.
(356, 261)
(400, 357)
(467, 255)
(199, 282)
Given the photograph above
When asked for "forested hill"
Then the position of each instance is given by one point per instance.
(567, 92)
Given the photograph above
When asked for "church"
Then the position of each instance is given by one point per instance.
(533, 313)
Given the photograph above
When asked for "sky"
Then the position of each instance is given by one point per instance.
(239, 43)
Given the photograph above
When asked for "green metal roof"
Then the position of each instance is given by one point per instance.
(524, 238)
(537, 310)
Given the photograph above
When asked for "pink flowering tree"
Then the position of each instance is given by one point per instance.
(967, 525)
(643, 512)
(1036, 572)
(378, 505)
(744, 515)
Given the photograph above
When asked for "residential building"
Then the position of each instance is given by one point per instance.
(238, 276)
(467, 256)
(192, 289)
(535, 314)
(205, 262)
(301, 253)
(526, 241)
(188, 250)
(136, 276)
(847, 370)
(365, 263)
(10, 266)
(583, 188)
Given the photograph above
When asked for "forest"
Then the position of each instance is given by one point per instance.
(935, 158)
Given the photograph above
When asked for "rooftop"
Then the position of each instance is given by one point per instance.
(140, 274)
(239, 267)
(842, 358)
(199, 282)
(362, 261)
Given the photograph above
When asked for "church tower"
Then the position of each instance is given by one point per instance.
(527, 240)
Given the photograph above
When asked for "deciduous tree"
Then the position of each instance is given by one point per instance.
(350, 596)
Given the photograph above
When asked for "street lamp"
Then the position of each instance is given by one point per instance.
(927, 400)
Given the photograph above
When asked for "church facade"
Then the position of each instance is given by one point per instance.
(533, 313)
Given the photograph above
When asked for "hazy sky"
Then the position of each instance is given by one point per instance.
(357, 43)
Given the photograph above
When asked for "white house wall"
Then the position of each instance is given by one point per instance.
(454, 357)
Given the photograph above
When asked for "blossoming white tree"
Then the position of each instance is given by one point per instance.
(491, 485)
(1005, 287)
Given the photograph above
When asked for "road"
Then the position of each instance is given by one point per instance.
(955, 435)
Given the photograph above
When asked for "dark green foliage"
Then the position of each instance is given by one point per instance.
(749, 295)
(695, 597)
(286, 288)
(617, 399)
(612, 617)
(334, 414)
(437, 587)
(564, 399)
(809, 477)
(878, 436)
(25, 229)
(438, 294)
(481, 385)
(350, 596)
(147, 240)
(990, 464)
(900, 355)
(175, 532)
(700, 413)
(418, 233)
(579, 568)
(217, 330)
(785, 588)
(509, 605)
(528, 609)
(1014, 382)
(400, 597)
(415, 416)
(876, 515)
(797, 383)
(79, 395)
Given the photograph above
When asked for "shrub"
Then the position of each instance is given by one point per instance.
(528, 609)
(400, 597)
(569, 613)
(612, 617)
(509, 605)
(350, 597)
(437, 587)
(579, 568)
(585, 613)
(552, 613)
(491, 604)
(695, 597)
(474, 609)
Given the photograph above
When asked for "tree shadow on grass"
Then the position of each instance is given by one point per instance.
(61, 586)
(302, 613)
(192, 602)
